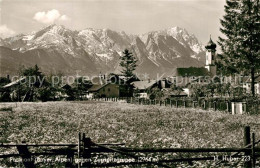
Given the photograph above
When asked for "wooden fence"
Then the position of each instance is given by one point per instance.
(252, 107)
(86, 154)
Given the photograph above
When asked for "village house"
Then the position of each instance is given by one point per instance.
(174, 93)
(13, 90)
(246, 84)
(110, 86)
(141, 88)
(108, 90)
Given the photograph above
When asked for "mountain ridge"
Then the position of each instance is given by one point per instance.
(91, 51)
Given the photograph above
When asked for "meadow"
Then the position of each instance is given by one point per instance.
(119, 122)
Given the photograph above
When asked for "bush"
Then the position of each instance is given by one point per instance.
(6, 109)
(5, 97)
(46, 94)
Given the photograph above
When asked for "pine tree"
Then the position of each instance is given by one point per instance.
(128, 63)
(241, 45)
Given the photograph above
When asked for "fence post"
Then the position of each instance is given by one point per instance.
(184, 104)
(247, 141)
(245, 107)
(79, 146)
(28, 161)
(70, 159)
(215, 105)
(86, 151)
(204, 104)
(227, 106)
(176, 103)
(253, 151)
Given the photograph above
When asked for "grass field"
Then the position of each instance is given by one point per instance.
(118, 122)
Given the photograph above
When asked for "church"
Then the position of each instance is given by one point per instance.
(183, 76)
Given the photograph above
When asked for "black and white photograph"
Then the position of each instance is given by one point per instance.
(129, 83)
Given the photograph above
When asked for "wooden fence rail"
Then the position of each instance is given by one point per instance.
(86, 149)
(220, 105)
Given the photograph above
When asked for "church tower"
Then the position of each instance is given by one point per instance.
(210, 57)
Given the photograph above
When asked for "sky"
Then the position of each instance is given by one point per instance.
(198, 17)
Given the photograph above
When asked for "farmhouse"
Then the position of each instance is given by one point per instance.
(105, 90)
(178, 93)
(113, 85)
(141, 88)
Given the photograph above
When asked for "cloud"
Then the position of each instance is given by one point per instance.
(50, 16)
(5, 31)
(64, 18)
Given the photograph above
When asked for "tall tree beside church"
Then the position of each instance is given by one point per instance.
(240, 46)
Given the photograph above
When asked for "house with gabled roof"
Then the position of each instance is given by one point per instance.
(108, 90)
(113, 85)
(169, 93)
(142, 88)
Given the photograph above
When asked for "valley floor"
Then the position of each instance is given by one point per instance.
(119, 122)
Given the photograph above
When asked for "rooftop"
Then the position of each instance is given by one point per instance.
(191, 71)
(141, 85)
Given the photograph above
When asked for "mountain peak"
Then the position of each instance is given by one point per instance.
(177, 30)
(101, 48)
(54, 28)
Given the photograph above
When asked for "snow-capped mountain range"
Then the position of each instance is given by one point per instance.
(91, 51)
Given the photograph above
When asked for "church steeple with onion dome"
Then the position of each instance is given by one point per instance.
(210, 57)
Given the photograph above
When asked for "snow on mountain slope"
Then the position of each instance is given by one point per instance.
(99, 50)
